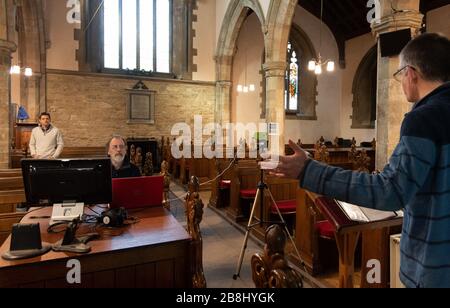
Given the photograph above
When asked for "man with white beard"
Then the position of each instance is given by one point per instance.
(120, 165)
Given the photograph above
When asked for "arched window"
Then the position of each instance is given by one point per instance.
(300, 85)
(365, 92)
(138, 37)
(292, 95)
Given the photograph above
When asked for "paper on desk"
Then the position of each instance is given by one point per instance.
(362, 214)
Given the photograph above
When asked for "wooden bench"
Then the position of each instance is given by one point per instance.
(83, 152)
(11, 183)
(245, 178)
(220, 188)
(10, 173)
(7, 220)
(9, 199)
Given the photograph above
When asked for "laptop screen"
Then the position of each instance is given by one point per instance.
(138, 192)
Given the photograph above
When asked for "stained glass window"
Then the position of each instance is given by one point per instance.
(292, 95)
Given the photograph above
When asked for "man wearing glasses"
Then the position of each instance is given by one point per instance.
(121, 167)
(417, 177)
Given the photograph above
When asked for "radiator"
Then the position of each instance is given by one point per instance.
(395, 261)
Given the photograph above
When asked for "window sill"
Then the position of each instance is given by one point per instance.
(363, 126)
(298, 116)
(138, 73)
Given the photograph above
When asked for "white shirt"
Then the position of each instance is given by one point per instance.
(46, 144)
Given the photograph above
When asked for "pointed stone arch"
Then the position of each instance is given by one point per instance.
(233, 20)
(32, 53)
(364, 91)
(279, 21)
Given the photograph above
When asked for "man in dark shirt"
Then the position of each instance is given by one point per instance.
(120, 165)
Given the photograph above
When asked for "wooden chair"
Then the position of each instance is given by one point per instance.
(194, 215)
(271, 269)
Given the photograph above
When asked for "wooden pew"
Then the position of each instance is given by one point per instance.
(11, 194)
(220, 188)
(202, 168)
(10, 173)
(245, 175)
(7, 220)
(11, 183)
(282, 190)
(83, 152)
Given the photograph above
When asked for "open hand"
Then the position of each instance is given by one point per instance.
(291, 166)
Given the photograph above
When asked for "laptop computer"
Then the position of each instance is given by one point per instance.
(141, 192)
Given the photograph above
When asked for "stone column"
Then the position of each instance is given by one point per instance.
(275, 73)
(222, 112)
(391, 102)
(6, 48)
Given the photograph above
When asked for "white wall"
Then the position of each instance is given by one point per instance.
(246, 107)
(355, 50)
(205, 41)
(329, 87)
(61, 54)
(439, 20)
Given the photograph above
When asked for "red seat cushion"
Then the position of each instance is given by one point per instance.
(286, 207)
(325, 229)
(225, 184)
(248, 193)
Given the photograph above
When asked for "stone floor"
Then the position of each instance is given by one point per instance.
(222, 244)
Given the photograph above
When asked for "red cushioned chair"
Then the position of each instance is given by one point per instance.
(288, 210)
(249, 196)
(223, 199)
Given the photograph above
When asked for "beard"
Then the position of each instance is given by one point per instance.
(118, 158)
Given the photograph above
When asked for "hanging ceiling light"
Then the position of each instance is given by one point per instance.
(246, 88)
(317, 64)
(16, 70)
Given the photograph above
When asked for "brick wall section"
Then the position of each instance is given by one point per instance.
(90, 108)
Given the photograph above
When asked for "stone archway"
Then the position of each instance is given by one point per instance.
(234, 18)
(7, 47)
(32, 53)
(279, 22)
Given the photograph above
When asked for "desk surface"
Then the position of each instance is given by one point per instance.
(158, 236)
(155, 226)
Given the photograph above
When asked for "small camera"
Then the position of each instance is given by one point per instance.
(114, 217)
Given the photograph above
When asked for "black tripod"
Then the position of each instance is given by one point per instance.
(260, 194)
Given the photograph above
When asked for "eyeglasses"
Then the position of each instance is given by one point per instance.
(118, 146)
(398, 74)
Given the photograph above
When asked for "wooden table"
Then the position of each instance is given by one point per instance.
(347, 235)
(151, 253)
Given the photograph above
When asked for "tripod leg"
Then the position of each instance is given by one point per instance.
(287, 230)
(247, 234)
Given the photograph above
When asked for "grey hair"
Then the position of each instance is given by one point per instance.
(429, 53)
(112, 138)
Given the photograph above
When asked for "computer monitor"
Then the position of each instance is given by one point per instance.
(50, 182)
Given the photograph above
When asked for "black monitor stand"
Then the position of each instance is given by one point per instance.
(71, 243)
